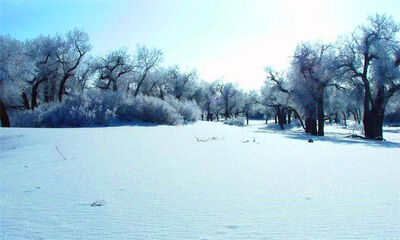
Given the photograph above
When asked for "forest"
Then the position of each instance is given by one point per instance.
(54, 81)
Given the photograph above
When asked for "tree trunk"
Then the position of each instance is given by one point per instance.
(62, 87)
(289, 117)
(311, 126)
(141, 82)
(321, 116)
(336, 118)
(226, 109)
(373, 123)
(373, 118)
(35, 92)
(247, 118)
(344, 119)
(281, 117)
(5, 120)
(25, 100)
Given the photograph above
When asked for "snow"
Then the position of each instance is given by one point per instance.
(199, 181)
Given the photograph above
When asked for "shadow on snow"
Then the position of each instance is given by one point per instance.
(292, 132)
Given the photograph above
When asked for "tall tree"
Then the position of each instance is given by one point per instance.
(372, 56)
(146, 59)
(313, 63)
(112, 68)
(71, 55)
(42, 52)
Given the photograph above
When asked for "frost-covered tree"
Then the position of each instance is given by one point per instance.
(182, 85)
(70, 55)
(313, 71)
(15, 70)
(230, 97)
(112, 68)
(250, 104)
(207, 97)
(42, 52)
(276, 94)
(371, 56)
(146, 60)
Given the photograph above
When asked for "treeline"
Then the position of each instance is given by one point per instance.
(53, 81)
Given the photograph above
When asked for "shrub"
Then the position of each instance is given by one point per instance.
(148, 109)
(27, 118)
(98, 107)
(189, 110)
(75, 111)
(238, 121)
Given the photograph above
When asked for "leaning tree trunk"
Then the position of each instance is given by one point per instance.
(62, 86)
(5, 120)
(25, 100)
(35, 92)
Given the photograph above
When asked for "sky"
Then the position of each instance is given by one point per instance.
(231, 40)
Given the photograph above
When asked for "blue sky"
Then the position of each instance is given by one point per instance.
(222, 38)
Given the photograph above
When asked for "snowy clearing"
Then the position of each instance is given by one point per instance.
(199, 181)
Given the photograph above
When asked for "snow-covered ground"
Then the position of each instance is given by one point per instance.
(199, 181)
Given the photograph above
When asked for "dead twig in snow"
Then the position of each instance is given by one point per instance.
(208, 139)
(98, 203)
(58, 150)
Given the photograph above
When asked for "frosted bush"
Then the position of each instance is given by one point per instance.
(238, 121)
(189, 110)
(97, 107)
(68, 114)
(75, 111)
(103, 105)
(27, 118)
(148, 109)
